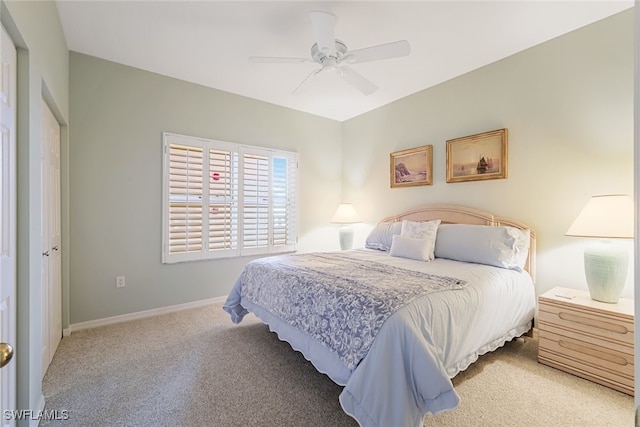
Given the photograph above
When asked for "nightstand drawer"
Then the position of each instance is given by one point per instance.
(571, 334)
(617, 382)
(607, 327)
(593, 358)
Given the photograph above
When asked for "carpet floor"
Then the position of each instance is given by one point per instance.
(196, 368)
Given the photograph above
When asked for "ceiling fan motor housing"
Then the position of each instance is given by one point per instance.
(331, 59)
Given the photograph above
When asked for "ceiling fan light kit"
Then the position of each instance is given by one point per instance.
(332, 54)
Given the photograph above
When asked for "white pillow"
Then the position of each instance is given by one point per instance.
(408, 247)
(422, 230)
(503, 246)
(382, 235)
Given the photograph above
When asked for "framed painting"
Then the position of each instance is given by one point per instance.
(477, 157)
(412, 167)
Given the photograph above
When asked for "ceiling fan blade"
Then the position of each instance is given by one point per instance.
(313, 73)
(357, 80)
(324, 26)
(277, 59)
(375, 53)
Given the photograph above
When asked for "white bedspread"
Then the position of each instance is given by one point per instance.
(407, 370)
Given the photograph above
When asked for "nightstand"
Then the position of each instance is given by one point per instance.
(587, 338)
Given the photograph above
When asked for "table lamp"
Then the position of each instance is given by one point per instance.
(605, 262)
(345, 214)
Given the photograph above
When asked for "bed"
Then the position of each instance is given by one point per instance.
(433, 289)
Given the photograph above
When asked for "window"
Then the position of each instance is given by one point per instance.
(222, 199)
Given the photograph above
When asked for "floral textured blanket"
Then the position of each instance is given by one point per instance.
(339, 300)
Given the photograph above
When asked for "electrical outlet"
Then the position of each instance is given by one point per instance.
(120, 282)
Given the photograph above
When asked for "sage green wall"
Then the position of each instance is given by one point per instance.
(43, 72)
(118, 115)
(568, 105)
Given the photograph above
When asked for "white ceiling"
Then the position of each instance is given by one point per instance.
(208, 42)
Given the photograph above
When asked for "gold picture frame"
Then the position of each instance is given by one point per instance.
(409, 168)
(478, 157)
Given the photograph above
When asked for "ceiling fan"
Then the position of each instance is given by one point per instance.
(333, 55)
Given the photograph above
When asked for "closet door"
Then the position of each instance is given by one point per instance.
(51, 238)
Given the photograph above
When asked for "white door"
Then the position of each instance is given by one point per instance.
(8, 227)
(51, 235)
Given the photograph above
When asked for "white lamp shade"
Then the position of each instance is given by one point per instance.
(345, 214)
(607, 216)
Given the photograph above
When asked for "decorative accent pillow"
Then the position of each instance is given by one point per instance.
(381, 236)
(409, 247)
(422, 230)
(503, 246)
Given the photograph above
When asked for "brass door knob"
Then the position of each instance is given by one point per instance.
(6, 353)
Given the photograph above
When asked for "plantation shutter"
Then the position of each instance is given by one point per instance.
(255, 196)
(223, 199)
(185, 199)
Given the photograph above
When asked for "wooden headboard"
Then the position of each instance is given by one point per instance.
(453, 214)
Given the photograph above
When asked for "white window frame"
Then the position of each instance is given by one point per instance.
(272, 215)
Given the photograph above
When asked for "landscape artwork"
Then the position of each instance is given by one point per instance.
(412, 167)
(477, 157)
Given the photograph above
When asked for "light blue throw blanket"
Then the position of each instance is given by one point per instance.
(339, 300)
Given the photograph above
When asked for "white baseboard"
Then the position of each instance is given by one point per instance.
(139, 315)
